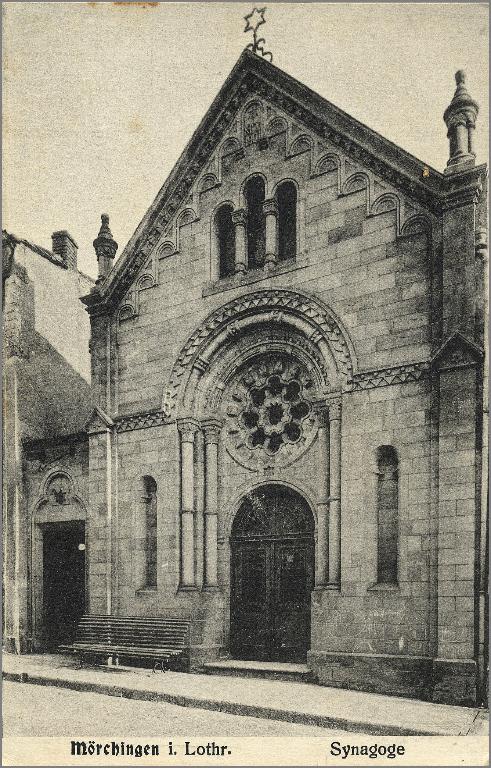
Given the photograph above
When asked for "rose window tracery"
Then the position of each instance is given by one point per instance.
(270, 416)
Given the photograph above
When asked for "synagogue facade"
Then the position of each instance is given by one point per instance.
(287, 367)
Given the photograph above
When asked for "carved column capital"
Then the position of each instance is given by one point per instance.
(270, 207)
(481, 242)
(335, 410)
(211, 428)
(321, 410)
(188, 428)
(239, 217)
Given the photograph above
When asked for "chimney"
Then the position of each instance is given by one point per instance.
(460, 118)
(65, 247)
(105, 247)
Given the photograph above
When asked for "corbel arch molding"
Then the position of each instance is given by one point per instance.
(307, 315)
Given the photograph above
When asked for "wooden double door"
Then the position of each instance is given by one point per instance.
(272, 576)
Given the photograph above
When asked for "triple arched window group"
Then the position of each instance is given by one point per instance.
(286, 229)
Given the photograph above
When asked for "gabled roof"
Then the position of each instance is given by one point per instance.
(255, 75)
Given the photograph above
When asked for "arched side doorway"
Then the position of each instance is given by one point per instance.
(272, 576)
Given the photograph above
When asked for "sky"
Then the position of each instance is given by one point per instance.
(100, 99)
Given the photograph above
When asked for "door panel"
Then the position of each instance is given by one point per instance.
(293, 583)
(251, 592)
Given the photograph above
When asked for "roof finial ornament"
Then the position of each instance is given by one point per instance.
(256, 16)
(460, 118)
(105, 247)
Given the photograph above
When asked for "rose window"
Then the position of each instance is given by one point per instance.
(270, 417)
(274, 413)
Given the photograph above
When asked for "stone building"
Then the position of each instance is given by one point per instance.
(47, 402)
(287, 364)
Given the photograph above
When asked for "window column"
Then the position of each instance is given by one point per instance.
(270, 210)
(211, 428)
(322, 574)
(187, 429)
(335, 494)
(239, 220)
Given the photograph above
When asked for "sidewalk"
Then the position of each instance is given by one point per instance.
(273, 699)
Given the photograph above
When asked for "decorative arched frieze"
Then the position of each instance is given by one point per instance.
(416, 225)
(185, 217)
(301, 144)
(358, 182)
(276, 126)
(166, 249)
(127, 312)
(327, 164)
(228, 147)
(384, 204)
(334, 153)
(145, 281)
(208, 182)
(252, 122)
(305, 313)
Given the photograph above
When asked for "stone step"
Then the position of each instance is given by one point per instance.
(270, 670)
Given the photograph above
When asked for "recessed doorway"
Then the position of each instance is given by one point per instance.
(272, 548)
(63, 581)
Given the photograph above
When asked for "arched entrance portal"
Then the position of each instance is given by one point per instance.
(272, 550)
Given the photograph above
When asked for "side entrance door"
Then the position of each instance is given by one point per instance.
(63, 580)
(272, 576)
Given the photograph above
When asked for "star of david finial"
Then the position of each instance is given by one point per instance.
(253, 20)
(256, 16)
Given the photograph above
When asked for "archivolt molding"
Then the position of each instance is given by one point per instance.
(206, 396)
(275, 306)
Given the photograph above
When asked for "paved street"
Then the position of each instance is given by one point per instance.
(38, 710)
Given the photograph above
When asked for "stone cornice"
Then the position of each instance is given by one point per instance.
(251, 75)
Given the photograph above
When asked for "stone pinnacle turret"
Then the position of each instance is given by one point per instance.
(460, 118)
(105, 247)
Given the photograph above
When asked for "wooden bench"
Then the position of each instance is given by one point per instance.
(155, 638)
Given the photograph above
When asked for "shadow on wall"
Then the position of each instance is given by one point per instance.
(53, 398)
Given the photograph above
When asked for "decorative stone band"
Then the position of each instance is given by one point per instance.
(383, 377)
(142, 421)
